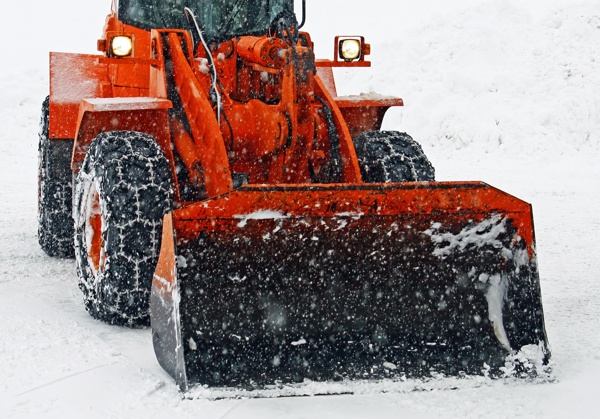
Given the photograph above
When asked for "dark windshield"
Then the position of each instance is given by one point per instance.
(218, 19)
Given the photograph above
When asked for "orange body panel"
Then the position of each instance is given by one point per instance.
(131, 114)
(74, 77)
(361, 113)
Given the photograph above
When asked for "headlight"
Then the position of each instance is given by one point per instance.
(350, 49)
(121, 46)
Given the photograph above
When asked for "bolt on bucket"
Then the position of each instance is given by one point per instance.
(330, 282)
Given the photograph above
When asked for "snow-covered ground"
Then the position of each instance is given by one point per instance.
(503, 91)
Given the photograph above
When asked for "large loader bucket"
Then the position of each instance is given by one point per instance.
(328, 282)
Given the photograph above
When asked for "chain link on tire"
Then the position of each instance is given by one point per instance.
(55, 220)
(122, 191)
(391, 156)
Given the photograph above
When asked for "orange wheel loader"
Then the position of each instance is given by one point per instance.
(217, 186)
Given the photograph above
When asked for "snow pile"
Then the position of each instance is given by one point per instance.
(493, 77)
(527, 362)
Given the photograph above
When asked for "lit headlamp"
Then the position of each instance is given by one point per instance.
(121, 46)
(350, 49)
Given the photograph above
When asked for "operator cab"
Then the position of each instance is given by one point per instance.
(218, 20)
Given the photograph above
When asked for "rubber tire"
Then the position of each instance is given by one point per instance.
(391, 156)
(55, 192)
(125, 181)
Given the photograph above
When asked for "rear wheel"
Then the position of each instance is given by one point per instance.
(391, 156)
(122, 192)
(55, 221)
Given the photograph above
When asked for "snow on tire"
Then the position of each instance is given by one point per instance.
(391, 156)
(55, 220)
(122, 191)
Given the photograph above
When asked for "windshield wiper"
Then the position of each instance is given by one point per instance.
(235, 11)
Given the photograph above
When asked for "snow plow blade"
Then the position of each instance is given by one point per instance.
(279, 284)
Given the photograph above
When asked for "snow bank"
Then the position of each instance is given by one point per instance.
(516, 79)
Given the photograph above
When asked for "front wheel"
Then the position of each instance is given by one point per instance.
(391, 156)
(122, 192)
